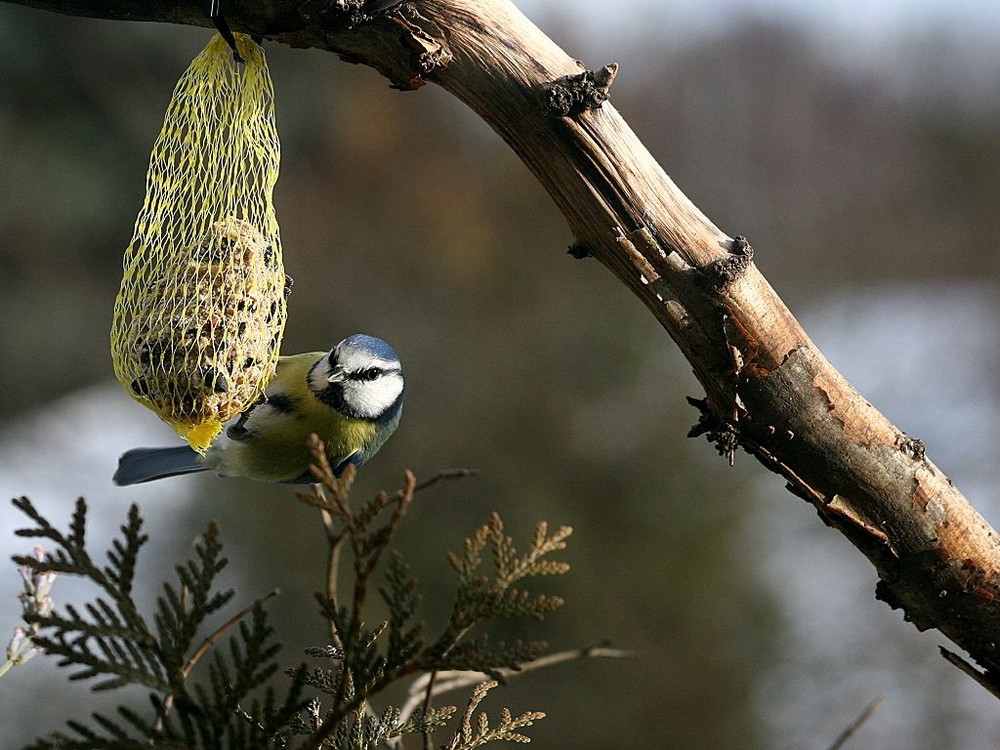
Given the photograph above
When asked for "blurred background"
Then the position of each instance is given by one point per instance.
(856, 144)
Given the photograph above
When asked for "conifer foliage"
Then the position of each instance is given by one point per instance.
(109, 640)
(240, 697)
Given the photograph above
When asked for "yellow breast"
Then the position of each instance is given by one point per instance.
(276, 448)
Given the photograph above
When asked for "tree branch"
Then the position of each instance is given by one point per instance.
(768, 388)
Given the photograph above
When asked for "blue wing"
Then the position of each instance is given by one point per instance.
(146, 464)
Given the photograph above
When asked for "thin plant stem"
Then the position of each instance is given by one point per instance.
(210, 640)
(855, 725)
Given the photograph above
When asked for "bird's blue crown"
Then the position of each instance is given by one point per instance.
(374, 346)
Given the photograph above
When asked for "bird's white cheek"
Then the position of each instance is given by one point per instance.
(371, 398)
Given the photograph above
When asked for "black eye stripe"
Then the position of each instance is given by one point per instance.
(369, 373)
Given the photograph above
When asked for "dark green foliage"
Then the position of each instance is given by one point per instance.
(112, 642)
(366, 659)
(481, 655)
(405, 636)
(233, 703)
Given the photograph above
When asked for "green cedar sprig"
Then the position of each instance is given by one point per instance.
(112, 642)
(363, 659)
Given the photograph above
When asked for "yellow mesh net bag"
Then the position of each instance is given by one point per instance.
(201, 310)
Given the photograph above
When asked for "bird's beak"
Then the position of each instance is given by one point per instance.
(339, 375)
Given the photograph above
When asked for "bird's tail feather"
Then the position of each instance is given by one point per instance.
(146, 464)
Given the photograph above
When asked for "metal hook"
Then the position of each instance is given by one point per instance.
(215, 13)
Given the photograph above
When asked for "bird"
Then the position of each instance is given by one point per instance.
(351, 397)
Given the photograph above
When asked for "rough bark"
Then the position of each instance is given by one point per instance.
(769, 390)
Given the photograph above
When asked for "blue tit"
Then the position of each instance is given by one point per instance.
(351, 396)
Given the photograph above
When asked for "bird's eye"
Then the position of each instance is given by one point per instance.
(371, 373)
